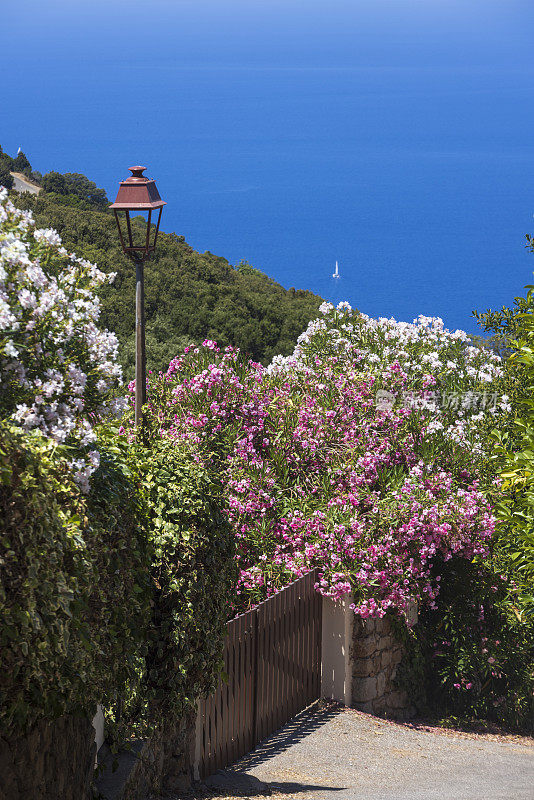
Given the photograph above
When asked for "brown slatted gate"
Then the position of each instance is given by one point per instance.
(272, 658)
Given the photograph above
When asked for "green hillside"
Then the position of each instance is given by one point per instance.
(190, 296)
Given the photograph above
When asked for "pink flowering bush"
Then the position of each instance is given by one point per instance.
(58, 370)
(319, 471)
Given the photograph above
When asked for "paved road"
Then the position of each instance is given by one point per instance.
(20, 184)
(340, 754)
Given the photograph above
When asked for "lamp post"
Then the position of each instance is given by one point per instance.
(139, 195)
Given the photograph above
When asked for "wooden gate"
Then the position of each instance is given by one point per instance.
(272, 658)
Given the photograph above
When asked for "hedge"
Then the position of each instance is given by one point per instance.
(73, 581)
(193, 572)
(118, 597)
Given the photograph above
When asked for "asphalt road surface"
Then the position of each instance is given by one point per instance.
(20, 184)
(341, 754)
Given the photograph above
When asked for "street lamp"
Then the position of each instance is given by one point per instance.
(139, 195)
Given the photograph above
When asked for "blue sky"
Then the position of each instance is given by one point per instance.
(393, 136)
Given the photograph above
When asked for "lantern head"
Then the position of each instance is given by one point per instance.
(138, 195)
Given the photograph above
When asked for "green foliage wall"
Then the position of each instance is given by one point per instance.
(193, 574)
(119, 597)
(74, 591)
(513, 455)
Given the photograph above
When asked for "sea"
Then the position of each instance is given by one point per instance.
(394, 136)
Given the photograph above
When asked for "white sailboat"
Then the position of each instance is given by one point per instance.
(336, 273)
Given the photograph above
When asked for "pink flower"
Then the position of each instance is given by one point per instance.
(306, 459)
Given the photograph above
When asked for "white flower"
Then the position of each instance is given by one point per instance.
(21, 412)
(13, 251)
(418, 352)
(10, 349)
(325, 308)
(94, 457)
(47, 235)
(49, 340)
(435, 425)
(27, 299)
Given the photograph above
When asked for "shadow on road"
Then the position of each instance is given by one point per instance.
(235, 780)
(227, 783)
(292, 732)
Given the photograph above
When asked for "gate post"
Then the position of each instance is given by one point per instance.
(359, 661)
(336, 666)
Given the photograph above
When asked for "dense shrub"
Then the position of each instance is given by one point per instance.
(473, 656)
(368, 454)
(193, 577)
(58, 369)
(513, 454)
(73, 581)
(118, 596)
(318, 471)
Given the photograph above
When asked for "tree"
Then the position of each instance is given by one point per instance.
(6, 165)
(54, 182)
(21, 164)
(74, 184)
(245, 268)
(81, 186)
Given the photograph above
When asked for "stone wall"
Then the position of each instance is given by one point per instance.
(376, 655)
(162, 763)
(53, 760)
(166, 760)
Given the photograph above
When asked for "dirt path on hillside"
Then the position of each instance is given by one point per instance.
(336, 753)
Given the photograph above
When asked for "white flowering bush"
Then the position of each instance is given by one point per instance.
(453, 385)
(58, 370)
